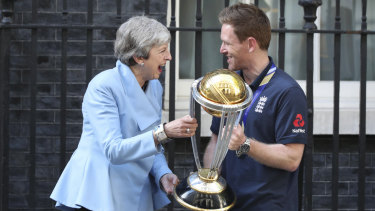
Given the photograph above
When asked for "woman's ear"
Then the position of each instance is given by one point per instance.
(252, 44)
(139, 60)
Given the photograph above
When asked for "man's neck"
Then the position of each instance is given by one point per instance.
(255, 68)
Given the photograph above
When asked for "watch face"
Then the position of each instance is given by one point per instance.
(242, 150)
(245, 148)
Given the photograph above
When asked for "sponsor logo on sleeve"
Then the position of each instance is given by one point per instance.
(298, 124)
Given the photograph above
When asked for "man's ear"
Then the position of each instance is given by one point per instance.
(139, 60)
(251, 43)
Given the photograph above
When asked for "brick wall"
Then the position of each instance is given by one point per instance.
(47, 143)
(348, 173)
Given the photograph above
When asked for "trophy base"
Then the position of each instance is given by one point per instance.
(208, 195)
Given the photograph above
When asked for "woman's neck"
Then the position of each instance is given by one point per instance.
(137, 73)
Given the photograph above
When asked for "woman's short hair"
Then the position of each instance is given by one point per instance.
(248, 20)
(137, 36)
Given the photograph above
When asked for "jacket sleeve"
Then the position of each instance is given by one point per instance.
(159, 168)
(102, 116)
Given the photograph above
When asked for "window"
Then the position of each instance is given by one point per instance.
(211, 59)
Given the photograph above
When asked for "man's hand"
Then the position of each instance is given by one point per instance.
(168, 181)
(237, 138)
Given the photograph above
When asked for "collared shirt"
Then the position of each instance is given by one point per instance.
(278, 115)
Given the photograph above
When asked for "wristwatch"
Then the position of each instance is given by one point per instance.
(160, 133)
(244, 148)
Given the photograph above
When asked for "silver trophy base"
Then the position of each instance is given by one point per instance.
(198, 193)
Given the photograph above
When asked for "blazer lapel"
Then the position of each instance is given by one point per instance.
(145, 103)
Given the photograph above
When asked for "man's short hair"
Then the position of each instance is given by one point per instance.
(248, 20)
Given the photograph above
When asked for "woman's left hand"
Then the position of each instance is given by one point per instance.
(181, 128)
(169, 181)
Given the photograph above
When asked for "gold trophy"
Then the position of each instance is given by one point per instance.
(224, 94)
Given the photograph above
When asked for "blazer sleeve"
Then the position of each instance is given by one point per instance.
(159, 167)
(101, 114)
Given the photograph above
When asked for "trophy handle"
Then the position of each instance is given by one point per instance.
(193, 138)
(231, 118)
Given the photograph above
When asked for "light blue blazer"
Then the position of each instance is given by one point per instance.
(116, 165)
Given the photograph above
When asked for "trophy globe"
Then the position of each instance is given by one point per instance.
(221, 93)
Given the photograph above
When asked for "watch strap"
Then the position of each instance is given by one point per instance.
(160, 134)
(244, 148)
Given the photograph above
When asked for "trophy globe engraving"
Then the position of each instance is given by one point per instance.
(221, 93)
(224, 87)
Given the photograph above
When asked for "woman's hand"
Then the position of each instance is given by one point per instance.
(181, 128)
(168, 181)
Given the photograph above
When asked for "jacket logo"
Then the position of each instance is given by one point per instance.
(298, 122)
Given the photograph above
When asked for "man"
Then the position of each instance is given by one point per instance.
(262, 163)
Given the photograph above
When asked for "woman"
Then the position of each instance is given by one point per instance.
(119, 163)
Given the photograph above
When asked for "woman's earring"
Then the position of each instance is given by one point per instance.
(142, 64)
